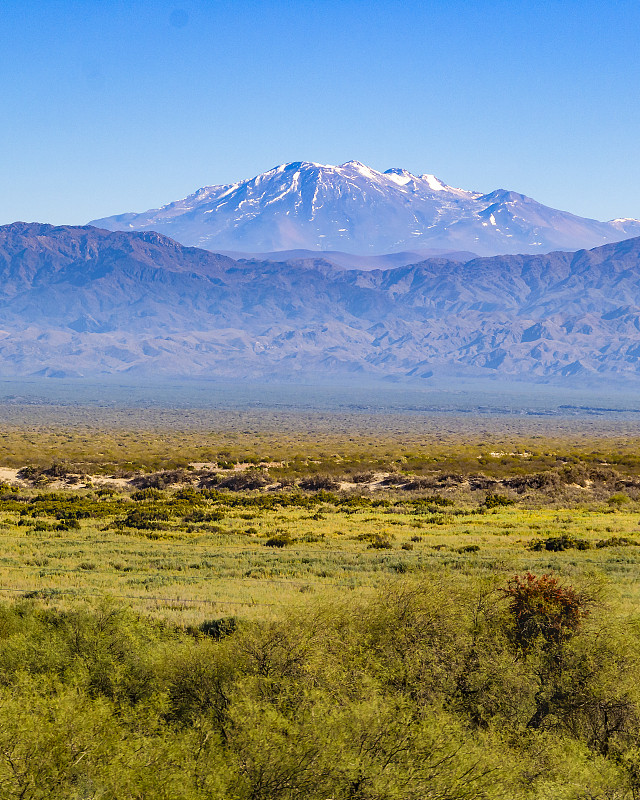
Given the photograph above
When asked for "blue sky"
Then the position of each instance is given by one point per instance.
(123, 105)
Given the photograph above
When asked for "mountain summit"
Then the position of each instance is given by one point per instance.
(357, 209)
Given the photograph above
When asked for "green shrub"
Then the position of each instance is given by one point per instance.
(433, 500)
(497, 500)
(618, 499)
(380, 541)
(150, 493)
(556, 544)
(279, 540)
(219, 628)
(199, 515)
(355, 501)
(143, 520)
(105, 491)
(617, 541)
(469, 548)
(71, 524)
(432, 687)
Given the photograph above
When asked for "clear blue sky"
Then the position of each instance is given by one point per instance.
(123, 105)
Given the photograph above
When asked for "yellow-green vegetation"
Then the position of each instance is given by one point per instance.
(187, 554)
(437, 686)
(184, 617)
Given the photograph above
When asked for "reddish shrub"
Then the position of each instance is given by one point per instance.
(542, 608)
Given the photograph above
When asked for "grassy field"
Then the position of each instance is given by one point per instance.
(189, 554)
(382, 610)
(403, 493)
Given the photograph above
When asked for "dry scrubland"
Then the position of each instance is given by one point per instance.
(174, 516)
(190, 555)
(276, 606)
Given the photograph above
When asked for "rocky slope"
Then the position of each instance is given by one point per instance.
(80, 301)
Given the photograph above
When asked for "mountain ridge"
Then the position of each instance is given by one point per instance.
(86, 301)
(351, 261)
(356, 209)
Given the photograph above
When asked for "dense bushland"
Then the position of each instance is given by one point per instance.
(434, 688)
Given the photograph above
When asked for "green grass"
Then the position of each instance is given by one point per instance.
(187, 572)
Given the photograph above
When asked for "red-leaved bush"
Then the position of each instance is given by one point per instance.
(542, 608)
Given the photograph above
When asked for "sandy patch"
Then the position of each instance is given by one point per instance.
(9, 475)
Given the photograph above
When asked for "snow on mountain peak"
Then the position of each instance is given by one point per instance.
(354, 208)
(434, 183)
(402, 177)
(399, 175)
(358, 166)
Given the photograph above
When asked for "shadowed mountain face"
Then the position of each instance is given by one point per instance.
(84, 301)
(356, 209)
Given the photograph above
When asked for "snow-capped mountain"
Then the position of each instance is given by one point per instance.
(355, 209)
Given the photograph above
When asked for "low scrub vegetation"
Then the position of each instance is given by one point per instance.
(433, 687)
(339, 618)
